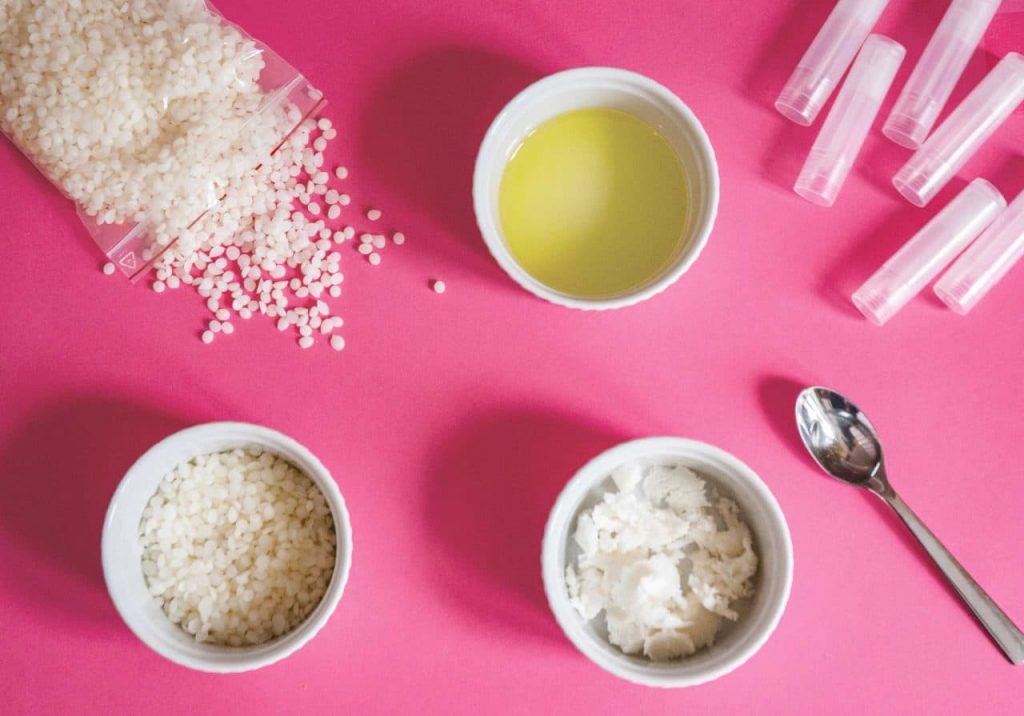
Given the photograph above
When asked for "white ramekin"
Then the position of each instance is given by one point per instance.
(771, 540)
(122, 550)
(615, 89)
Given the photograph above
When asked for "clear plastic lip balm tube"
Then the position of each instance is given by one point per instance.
(930, 250)
(825, 61)
(987, 260)
(938, 70)
(849, 120)
(963, 131)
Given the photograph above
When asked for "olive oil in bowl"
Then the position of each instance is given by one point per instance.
(593, 203)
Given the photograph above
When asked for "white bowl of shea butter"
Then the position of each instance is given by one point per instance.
(737, 641)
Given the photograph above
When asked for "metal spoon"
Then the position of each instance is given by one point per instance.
(843, 442)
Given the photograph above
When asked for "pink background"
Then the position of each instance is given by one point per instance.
(451, 422)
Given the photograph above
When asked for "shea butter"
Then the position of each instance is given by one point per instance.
(662, 558)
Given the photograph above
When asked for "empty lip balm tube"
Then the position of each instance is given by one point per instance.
(849, 120)
(938, 70)
(825, 61)
(963, 131)
(986, 261)
(930, 250)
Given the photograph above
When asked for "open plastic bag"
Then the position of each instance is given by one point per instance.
(142, 112)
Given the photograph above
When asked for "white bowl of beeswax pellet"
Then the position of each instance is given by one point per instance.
(226, 547)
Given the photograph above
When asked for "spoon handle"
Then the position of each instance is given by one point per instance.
(1003, 631)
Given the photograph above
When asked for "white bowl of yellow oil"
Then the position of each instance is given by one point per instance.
(596, 188)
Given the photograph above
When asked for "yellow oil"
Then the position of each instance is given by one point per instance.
(593, 203)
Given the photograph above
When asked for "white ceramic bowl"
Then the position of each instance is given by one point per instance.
(122, 550)
(737, 641)
(615, 89)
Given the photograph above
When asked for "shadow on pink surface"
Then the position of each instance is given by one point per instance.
(1009, 177)
(777, 395)
(492, 487)
(788, 149)
(58, 472)
(786, 42)
(57, 212)
(422, 129)
(880, 160)
(1004, 34)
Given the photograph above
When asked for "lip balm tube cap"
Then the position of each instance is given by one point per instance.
(937, 72)
(963, 132)
(830, 54)
(987, 260)
(843, 133)
(931, 249)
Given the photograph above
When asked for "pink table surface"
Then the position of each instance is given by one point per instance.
(451, 422)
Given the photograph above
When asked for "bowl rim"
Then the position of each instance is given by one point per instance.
(560, 521)
(239, 659)
(489, 152)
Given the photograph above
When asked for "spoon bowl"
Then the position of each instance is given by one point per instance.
(840, 438)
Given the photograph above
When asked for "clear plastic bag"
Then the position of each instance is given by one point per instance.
(142, 111)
